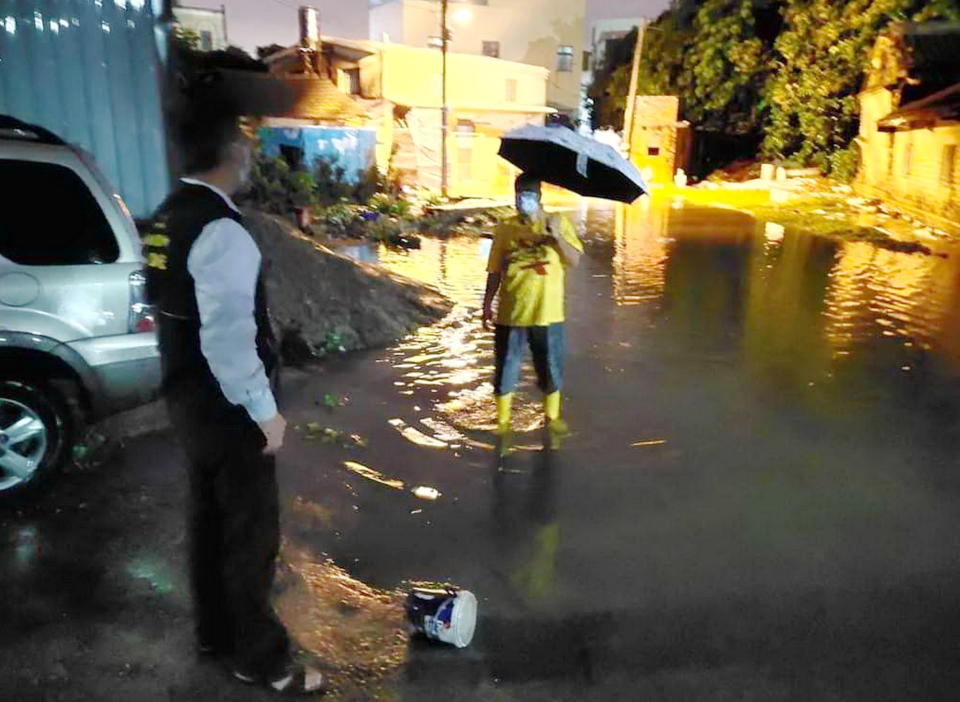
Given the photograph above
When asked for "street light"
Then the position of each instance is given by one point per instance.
(444, 115)
(462, 16)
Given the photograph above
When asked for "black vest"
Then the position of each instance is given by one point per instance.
(176, 225)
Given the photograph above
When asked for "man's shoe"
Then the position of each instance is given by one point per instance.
(296, 679)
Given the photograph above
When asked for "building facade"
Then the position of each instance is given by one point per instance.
(910, 123)
(660, 142)
(545, 33)
(399, 88)
(210, 26)
(603, 33)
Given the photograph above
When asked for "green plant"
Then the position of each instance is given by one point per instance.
(340, 217)
(389, 205)
(269, 185)
(386, 229)
(303, 189)
(844, 163)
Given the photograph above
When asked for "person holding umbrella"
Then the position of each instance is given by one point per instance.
(527, 263)
(531, 252)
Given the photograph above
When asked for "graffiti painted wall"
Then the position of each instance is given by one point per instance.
(352, 149)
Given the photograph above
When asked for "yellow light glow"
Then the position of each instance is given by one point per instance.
(462, 16)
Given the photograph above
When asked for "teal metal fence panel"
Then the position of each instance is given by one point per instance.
(90, 71)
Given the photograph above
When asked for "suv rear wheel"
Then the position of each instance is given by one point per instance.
(35, 434)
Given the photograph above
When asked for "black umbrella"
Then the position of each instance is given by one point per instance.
(580, 164)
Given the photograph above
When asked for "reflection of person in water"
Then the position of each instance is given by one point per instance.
(527, 266)
(533, 538)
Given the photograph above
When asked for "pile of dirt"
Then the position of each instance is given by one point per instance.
(321, 301)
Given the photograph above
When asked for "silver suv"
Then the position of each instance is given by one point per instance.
(77, 340)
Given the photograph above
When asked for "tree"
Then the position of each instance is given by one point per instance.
(723, 80)
(710, 53)
(819, 64)
(269, 50)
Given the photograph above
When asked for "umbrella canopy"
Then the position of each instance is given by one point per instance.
(580, 164)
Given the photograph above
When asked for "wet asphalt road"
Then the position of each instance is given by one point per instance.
(759, 500)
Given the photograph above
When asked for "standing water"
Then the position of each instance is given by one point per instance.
(761, 478)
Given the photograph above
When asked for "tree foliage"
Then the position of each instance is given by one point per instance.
(819, 65)
(788, 71)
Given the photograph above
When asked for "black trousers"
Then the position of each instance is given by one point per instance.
(233, 528)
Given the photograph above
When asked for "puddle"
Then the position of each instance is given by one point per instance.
(358, 632)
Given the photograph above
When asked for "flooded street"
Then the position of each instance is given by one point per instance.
(759, 499)
(760, 488)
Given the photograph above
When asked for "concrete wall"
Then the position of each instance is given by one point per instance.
(659, 147)
(353, 150)
(529, 31)
(412, 76)
(906, 168)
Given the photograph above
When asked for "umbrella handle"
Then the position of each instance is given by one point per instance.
(582, 161)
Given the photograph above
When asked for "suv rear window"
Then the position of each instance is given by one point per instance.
(50, 217)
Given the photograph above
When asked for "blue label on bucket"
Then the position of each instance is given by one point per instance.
(441, 620)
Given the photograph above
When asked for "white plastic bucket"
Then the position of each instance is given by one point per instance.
(445, 615)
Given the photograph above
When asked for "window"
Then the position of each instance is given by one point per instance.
(907, 158)
(653, 151)
(587, 60)
(491, 49)
(564, 58)
(435, 42)
(948, 164)
(206, 41)
(353, 80)
(511, 89)
(51, 218)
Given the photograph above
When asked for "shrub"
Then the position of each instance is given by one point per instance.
(386, 229)
(844, 163)
(389, 205)
(340, 218)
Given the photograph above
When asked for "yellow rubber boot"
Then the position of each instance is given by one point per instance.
(504, 410)
(551, 411)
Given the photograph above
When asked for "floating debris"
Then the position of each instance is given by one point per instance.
(373, 475)
(416, 436)
(651, 442)
(329, 435)
(426, 493)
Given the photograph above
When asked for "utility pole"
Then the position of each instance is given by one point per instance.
(628, 116)
(445, 110)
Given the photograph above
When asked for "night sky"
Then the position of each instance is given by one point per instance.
(253, 23)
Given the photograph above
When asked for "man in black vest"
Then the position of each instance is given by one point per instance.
(218, 353)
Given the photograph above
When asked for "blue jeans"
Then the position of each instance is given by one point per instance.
(547, 346)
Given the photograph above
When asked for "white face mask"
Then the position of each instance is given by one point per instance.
(528, 203)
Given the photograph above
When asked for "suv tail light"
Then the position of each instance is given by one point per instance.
(142, 317)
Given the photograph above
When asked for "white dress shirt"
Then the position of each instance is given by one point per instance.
(225, 264)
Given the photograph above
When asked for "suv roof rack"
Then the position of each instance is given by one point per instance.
(13, 128)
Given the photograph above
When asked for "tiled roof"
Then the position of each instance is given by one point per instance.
(316, 97)
(943, 106)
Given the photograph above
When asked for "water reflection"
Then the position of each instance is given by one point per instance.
(788, 310)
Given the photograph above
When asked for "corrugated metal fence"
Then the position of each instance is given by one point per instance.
(89, 70)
